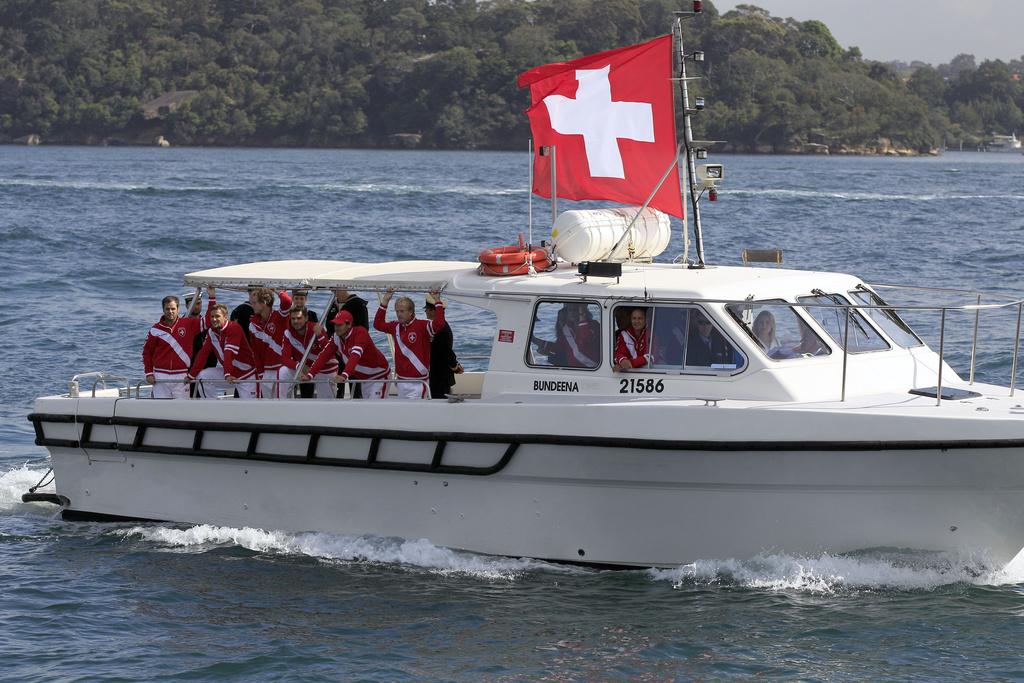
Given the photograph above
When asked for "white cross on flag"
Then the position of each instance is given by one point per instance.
(611, 120)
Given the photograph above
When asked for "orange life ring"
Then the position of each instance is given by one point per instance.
(513, 255)
(539, 263)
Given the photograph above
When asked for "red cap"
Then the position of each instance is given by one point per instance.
(342, 317)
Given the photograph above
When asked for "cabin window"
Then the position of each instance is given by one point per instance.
(565, 334)
(862, 336)
(778, 330)
(680, 339)
(886, 318)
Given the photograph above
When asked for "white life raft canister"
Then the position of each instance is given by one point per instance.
(590, 235)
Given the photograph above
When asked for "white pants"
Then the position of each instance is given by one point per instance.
(169, 386)
(373, 389)
(324, 387)
(269, 386)
(412, 389)
(213, 383)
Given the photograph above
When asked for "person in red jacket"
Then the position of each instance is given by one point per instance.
(297, 337)
(412, 337)
(633, 344)
(167, 353)
(237, 367)
(362, 360)
(266, 335)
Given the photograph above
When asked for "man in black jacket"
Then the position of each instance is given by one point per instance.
(343, 301)
(444, 364)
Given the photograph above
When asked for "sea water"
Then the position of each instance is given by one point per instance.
(93, 238)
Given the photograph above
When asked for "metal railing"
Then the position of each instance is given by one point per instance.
(99, 378)
(293, 383)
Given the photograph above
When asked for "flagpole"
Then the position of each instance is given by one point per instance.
(529, 194)
(650, 198)
(554, 187)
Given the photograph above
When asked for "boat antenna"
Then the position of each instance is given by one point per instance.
(691, 148)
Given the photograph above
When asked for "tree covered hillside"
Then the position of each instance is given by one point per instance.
(441, 74)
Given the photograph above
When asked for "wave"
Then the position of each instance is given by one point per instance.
(830, 574)
(230, 190)
(868, 196)
(421, 553)
(17, 481)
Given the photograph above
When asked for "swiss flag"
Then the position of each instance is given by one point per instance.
(610, 116)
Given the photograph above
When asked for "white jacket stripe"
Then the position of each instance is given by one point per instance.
(576, 353)
(265, 338)
(630, 344)
(172, 342)
(410, 356)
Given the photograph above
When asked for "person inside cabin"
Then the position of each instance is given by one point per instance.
(266, 335)
(577, 341)
(300, 334)
(632, 344)
(810, 344)
(764, 331)
(360, 359)
(345, 301)
(705, 346)
(668, 338)
(168, 351)
(412, 337)
(444, 364)
(237, 367)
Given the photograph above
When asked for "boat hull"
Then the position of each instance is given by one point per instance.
(623, 503)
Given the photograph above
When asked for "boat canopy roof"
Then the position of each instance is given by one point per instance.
(642, 280)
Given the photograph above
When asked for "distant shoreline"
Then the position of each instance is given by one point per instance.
(892, 152)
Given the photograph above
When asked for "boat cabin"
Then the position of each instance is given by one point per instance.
(714, 333)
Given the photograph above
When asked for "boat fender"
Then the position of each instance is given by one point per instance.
(54, 498)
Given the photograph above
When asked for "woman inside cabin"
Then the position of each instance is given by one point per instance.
(764, 332)
(633, 344)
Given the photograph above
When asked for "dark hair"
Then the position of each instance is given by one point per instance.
(168, 299)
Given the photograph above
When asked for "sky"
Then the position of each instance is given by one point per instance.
(932, 31)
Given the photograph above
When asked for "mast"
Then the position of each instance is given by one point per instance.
(689, 147)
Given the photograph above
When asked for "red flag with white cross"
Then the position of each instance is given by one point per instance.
(610, 117)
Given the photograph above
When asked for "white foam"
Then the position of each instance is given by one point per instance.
(395, 188)
(827, 574)
(416, 553)
(17, 481)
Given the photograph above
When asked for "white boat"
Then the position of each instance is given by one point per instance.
(839, 431)
(826, 451)
(1003, 143)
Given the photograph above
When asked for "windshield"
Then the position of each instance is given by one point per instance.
(862, 336)
(886, 318)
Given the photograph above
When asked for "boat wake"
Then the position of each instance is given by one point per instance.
(882, 569)
(16, 481)
(419, 554)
